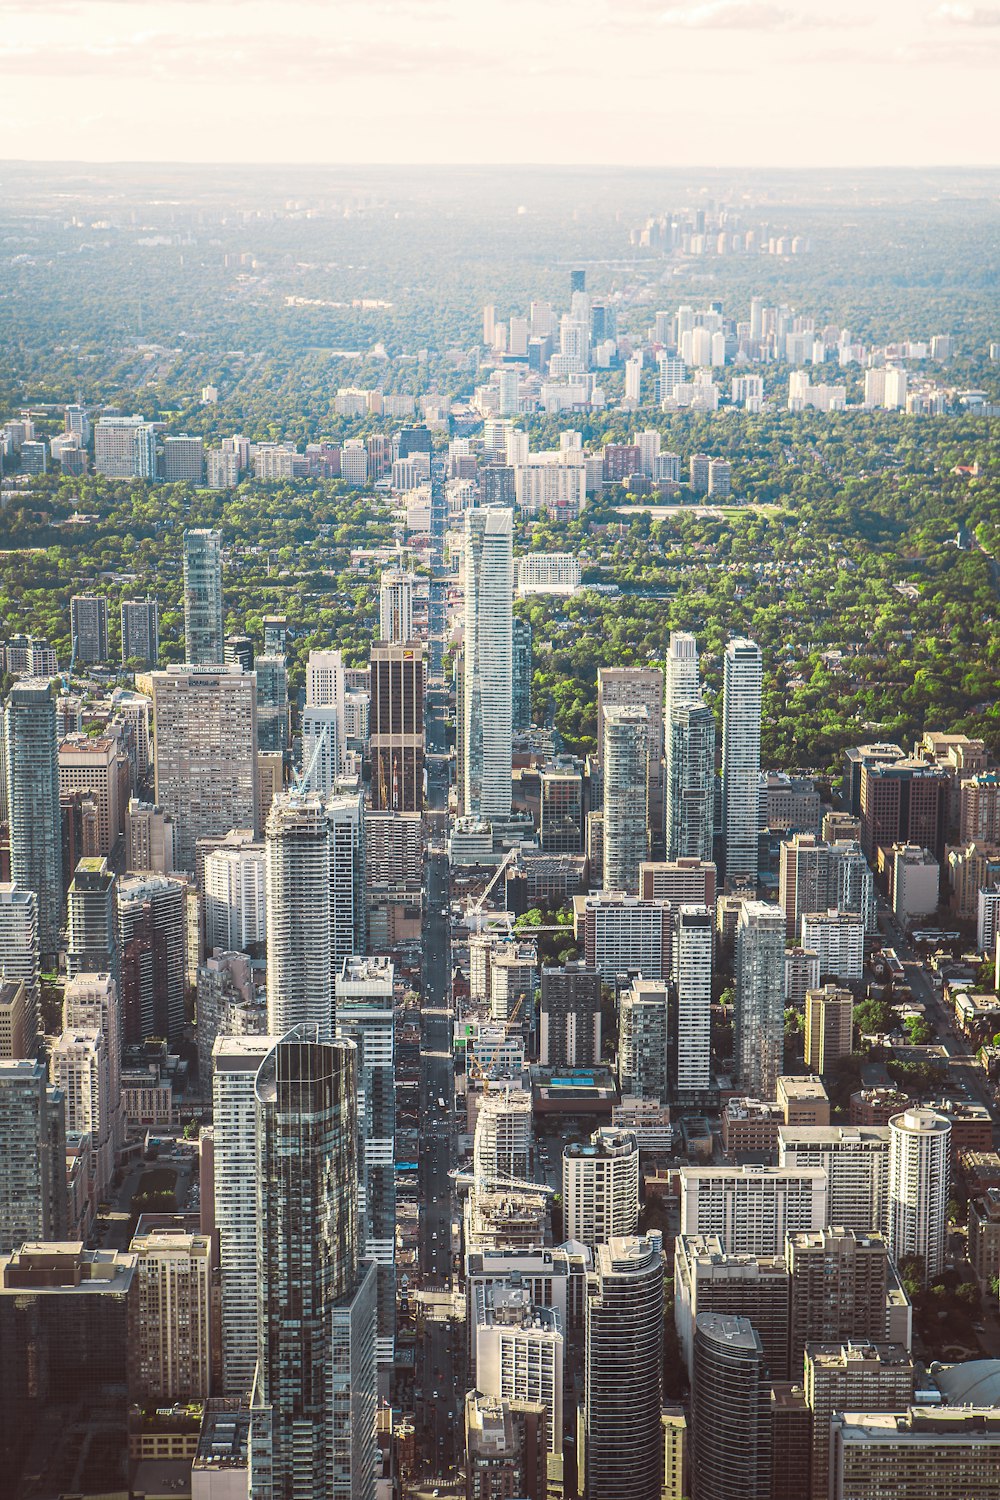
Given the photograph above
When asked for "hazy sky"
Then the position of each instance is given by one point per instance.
(648, 82)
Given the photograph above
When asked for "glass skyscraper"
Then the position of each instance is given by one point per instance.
(32, 761)
(203, 634)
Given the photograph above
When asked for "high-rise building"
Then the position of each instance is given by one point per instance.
(632, 688)
(348, 867)
(519, 1354)
(15, 1026)
(396, 606)
(173, 1355)
(752, 1208)
(19, 954)
(904, 802)
(315, 1297)
(206, 753)
(838, 938)
(396, 726)
(623, 1440)
(691, 1039)
(838, 1281)
(560, 822)
(152, 954)
(759, 1026)
(626, 806)
(228, 1004)
(600, 1184)
(272, 703)
(365, 1015)
(97, 767)
(682, 882)
(829, 1027)
(487, 684)
(125, 448)
(184, 459)
(731, 1410)
(80, 1068)
(505, 1449)
(32, 1156)
(642, 1040)
(233, 881)
(741, 711)
(89, 627)
(619, 934)
(708, 1280)
(92, 946)
(141, 631)
(855, 1159)
(919, 1184)
(238, 651)
(203, 630)
(300, 960)
(502, 1148)
(521, 674)
(920, 1453)
(31, 758)
(149, 838)
(90, 1002)
(569, 1017)
(851, 1377)
(690, 777)
(322, 750)
(235, 1061)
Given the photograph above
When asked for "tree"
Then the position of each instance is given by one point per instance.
(918, 1030)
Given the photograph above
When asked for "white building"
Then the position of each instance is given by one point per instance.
(560, 488)
(395, 605)
(322, 747)
(91, 1003)
(752, 1208)
(519, 1354)
(234, 891)
(299, 946)
(79, 1064)
(856, 1161)
(502, 1146)
(548, 573)
(626, 795)
(759, 1024)
(600, 1184)
(741, 710)
(694, 941)
(125, 448)
(839, 939)
(487, 688)
(919, 1186)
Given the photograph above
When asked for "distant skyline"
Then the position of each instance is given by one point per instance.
(672, 83)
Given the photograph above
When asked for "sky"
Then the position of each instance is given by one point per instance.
(675, 83)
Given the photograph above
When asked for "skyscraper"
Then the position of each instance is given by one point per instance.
(322, 749)
(89, 627)
(741, 708)
(690, 790)
(173, 1335)
(141, 631)
(759, 1027)
(315, 1298)
(203, 630)
(691, 1041)
(626, 805)
(919, 1184)
(487, 678)
(92, 946)
(624, 1381)
(91, 1003)
(19, 956)
(32, 1156)
(569, 1017)
(395, 601)
(348, 910)
(396, 726)
(80, 1068)
(521, 672)
(642, 1040)
(600, 1183)
(152, 953)
(299, 953)
(125, 448)
(829, 1027)
(206, 753)
(32, 763)
(637, 687)
(272, 703)
(731, 1410)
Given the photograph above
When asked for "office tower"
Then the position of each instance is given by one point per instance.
(642, 1040)
(206, 753)
(691, 1042)
(600, 1184)
(125, 448)
(149, 838)
(348, 911)
(708, 1280)
(152, 952)
(731, 1410)
(238, 651)
(682, 882)
(903, 802)
(396, 726)
(80, 1068)
(919, 1183)
(741, 708)
(272, 703)
(235, 1061)
(838, 1280)
(299, 950)
(623, 1441)
(89, 627)
(521, 673)
(203, 631)
(32, 762)
(829, 1027)
(92, 946)
(183, 459)
(233, 882)
(502, 1148)
(690, 777)
(97, 767)
(365, 1016)
(621, 933)
(759, 1026)
(856, 1161)
(505, 1448)
(626, 804)
(487, 684)
(560, 821)
(519, 1354)
(569, 1017)
(838, 938)
(32, 1156)
(395, 600)
(851, 1377)
(918, 1453)
(752, 1208)
(140, 631)
(67, 1324)
(17, 1036)
(275, 635)
(19, 959)
(803, 879)
(637, 687)
(315, 1297)
(173, 1354)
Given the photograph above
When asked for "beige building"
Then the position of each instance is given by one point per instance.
(100, 768)
(149, 838)
(14, 1019)
(916, 1453)
(804, 1101)
(851, 1377)
(829, 1027)
(173, 1356)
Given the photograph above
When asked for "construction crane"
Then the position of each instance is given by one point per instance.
(474, 915)
(499, 1180)
(481, 1070)
(67, 675)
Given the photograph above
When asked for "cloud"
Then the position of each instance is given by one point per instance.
(967, 15)
(730, 15)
